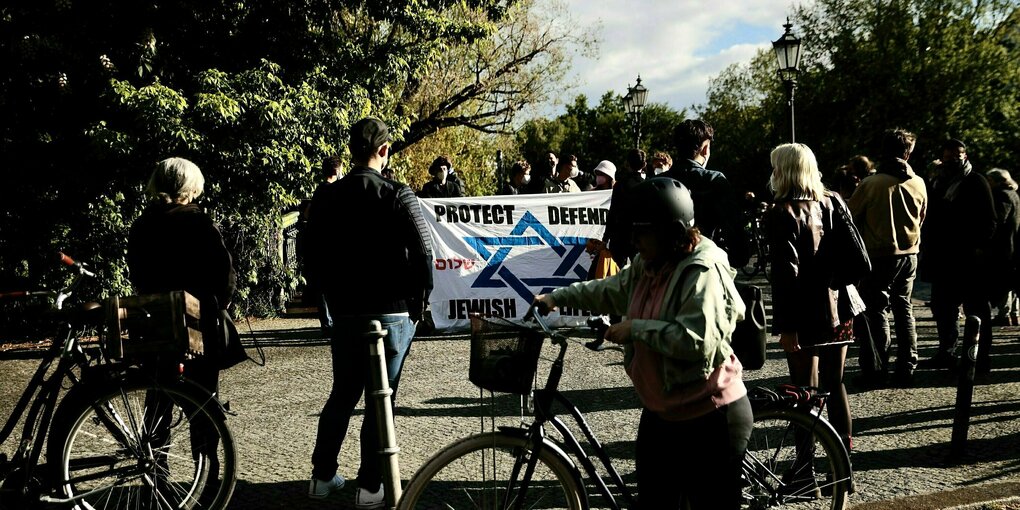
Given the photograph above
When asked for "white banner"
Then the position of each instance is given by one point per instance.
(494, 254)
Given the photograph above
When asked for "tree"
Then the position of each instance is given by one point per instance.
(600, 133)
(484, 85)
(938, 68)
(257, 94)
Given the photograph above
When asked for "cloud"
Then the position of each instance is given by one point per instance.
(676, 46)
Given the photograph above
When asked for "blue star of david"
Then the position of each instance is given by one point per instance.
(496, 249)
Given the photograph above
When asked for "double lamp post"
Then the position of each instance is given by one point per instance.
(634, 102)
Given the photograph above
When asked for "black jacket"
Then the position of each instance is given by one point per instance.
(619, 227)
(803, 300)
(177, 247)
(369, 248)
(716, 213)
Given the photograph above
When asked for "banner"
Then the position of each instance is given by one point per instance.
(494, 254)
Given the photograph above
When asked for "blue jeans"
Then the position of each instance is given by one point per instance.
(351, 375)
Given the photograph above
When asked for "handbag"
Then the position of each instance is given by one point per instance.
(751, 334)
(229, 350)
(845, 247)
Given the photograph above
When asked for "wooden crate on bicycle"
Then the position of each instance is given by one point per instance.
(147, 324)
(504, 356)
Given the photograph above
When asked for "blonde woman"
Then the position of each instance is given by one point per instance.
(805, 308)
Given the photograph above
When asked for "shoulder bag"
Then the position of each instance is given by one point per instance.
(751, 333)
(229, 351)
(845, 247)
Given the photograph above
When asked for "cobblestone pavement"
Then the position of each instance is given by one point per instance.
(901, 436)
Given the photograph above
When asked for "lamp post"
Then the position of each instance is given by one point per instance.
(787, 49)
(634, 102)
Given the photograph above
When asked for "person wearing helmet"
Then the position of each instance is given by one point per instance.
(680, 307)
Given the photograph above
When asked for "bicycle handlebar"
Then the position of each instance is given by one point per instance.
(538, 310)
(80, 266)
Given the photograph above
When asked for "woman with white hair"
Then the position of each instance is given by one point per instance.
(174, 245)
(806, 311)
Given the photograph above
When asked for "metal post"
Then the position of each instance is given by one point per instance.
(379, 389)
(637, 129)
(791, 85)
(965, 385)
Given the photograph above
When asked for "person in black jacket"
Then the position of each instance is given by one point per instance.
(376, 222)
(445, 183)
(172, 246)
(716, 211)
(956, 237)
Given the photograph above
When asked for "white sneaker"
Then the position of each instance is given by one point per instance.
(320, 489)
(366, 500)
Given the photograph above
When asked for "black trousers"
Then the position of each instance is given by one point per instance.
(698, 459)
(947, 295)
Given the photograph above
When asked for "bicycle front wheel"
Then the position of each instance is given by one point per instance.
(794, 459)
(145, 445)
(487, 471)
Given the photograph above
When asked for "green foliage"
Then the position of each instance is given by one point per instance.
(256, 94)
(600, 133)
(938, 68)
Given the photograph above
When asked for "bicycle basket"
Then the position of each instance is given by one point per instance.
(504, 356)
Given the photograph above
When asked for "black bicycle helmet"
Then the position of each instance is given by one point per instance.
(660, 201)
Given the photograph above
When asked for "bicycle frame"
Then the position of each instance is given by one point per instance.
(40, 399)
(543, 400)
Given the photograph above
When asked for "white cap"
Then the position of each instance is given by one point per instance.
(606, 167)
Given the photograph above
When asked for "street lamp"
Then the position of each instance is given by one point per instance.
(634, 102)
(787, 49)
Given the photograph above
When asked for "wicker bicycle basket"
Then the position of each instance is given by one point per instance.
(504, 356)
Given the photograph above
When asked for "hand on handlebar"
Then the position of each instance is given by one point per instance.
(544, 303)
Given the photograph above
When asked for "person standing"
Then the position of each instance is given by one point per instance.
(520, 176)
(888, 208)
(444, 183)
(717, 213)
(661, 163)
(605, 176)
(174, 245)
(541, 173)
(560, 181)
(954, 257)
(617, 237)
(806, 311)
(681, 308)
(377, 218)
(1003, 250)
(331, 169)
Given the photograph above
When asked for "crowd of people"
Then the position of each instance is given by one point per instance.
(676, 231)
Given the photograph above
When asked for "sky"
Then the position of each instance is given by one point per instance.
(675, 45)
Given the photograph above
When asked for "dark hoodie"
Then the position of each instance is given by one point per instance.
(888, 209)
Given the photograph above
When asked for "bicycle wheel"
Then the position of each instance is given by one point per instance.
(485, 471)
(144, 445)
(795, 460)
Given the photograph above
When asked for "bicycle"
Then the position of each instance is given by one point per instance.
(523, 467)
(124, 435)
(759, 246)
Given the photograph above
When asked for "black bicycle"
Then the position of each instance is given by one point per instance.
(794, 457)
(118, 433)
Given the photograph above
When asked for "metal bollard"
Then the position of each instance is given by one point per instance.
(379, 389)
(965, 385)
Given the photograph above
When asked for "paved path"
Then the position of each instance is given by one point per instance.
(901, 435)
